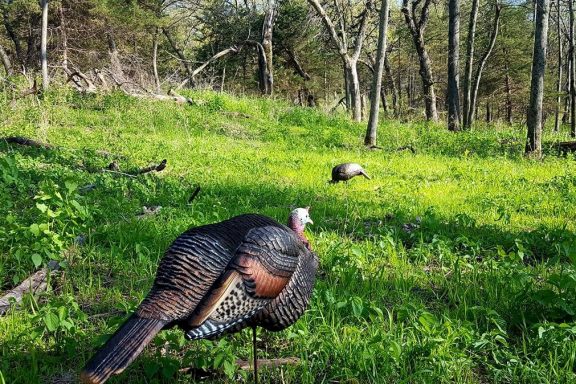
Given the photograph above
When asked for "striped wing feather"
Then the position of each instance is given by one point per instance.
(260, 269)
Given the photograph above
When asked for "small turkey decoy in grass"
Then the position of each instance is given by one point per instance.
(246, 271)
(346, 171)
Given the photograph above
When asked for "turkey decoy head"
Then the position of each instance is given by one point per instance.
(297, 222)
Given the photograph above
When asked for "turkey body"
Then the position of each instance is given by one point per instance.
(346, 171)
(245, 271)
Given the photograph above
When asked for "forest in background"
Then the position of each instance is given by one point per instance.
(284, 47)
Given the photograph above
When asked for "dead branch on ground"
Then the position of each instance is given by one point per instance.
(36, 283)
(26, 142)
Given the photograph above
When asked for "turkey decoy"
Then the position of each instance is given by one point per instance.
(346, 171)
(246, 271)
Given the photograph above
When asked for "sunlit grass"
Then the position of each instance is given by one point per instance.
(454, 264)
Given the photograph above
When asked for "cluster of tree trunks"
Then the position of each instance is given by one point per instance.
(350, 61)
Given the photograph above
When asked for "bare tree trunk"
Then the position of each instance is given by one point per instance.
(416, 25)
(354, 88)
(350, 61)
(453, 65)
(64, 37)
(295, 63)
(508, 87)
(482, 63)
(347, 93)
(534, 122)
(6, 61)
(559, 70)
(267, 76)
(180, 55)
(469, 63)
(488, 112)
(155, 59)
(392, 85)
(43, 45)
(572, 83)
(372, 129)
(566, 114)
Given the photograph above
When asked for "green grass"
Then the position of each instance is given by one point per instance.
(454, 264)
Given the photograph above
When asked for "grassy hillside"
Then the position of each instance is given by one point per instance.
(453, 264)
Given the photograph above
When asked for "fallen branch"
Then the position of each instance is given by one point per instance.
(118, 173)
(406, 147)
(237, 114)
(33, 90)
(172, 97)
(26, 141)
(151, 168)
(341, 101)
(567, 146)
(247, 365)
(194, 194)
(74, 76)
(232, 49)
(36, 283)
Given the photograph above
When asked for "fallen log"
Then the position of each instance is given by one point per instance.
(246, 365)
(77, 77)
(406, 147)
(567, 146)
(151, 168)
(236, 114)
(27, 142)
(36, 283)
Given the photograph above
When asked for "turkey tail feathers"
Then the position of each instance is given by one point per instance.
(121, 349)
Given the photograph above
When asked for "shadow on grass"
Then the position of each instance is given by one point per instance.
(217, 201)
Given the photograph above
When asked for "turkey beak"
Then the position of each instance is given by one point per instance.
(310, 221)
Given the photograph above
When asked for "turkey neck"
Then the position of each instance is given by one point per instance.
(295, 225)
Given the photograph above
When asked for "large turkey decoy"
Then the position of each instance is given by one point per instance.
(246, 271)
(346, 171)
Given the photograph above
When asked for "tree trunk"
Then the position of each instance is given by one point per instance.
(64, 37)
(180, 55)
(392, 85)
(469, 63)
(267, 28)
(534, 121)
(566, 113)
(416, 26)
(488, 112)
(347, 92)
(155, 59)
(295, 63)
(453, 65)
(354, 89)
(559, 70)
(572, 83)
(372, 129)
(43, 45)
(482, 63)
(508, 87)
(350, 61)
(427, 84)
(6, 61)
